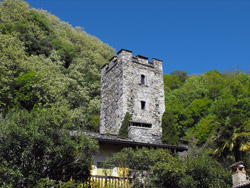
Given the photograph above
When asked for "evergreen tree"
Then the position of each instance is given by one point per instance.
(123, 132)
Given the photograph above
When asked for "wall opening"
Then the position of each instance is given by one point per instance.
(143, 79)
(139, 124)
(143, 105)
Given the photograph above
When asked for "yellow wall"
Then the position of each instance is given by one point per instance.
(105, 151)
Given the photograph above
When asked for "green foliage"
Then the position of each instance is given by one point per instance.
(205, 128)
(169, 127)
(175, 80)
(202, 103)
(27, 93)
(32, 28)
(67, 61)
(49, 84)
(171, 82)
(198, 108)
(203, 171)
(35, 145)
(233, 137)
(123, 132)
(149, 165)
(12, 58)
(12, 11)
(166, 170)
(67, 52)
(181, 75)
(46, 182)
(158, 168)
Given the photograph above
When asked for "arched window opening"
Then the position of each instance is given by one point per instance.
(143, 79)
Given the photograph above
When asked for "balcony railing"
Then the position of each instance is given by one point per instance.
(110, 181)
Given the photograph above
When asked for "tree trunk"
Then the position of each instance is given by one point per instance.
(237, 153)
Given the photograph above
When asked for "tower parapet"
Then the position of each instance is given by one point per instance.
(135, 85)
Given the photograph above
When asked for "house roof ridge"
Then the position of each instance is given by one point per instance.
(111, 138)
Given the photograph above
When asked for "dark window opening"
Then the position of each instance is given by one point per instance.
(143, 79)
(138, 124)
(143, 105)
(100, 164)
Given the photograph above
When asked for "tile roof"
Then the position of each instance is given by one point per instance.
(236, 164)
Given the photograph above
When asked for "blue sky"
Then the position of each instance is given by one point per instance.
(195, 36)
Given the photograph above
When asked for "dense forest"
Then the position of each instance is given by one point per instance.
(213, 108)
(50, 85)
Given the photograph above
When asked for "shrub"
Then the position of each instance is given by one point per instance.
(123, 132)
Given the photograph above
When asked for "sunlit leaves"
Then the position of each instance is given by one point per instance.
(67, 61)
(203, 102)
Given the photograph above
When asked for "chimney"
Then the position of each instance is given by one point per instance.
(239, 176)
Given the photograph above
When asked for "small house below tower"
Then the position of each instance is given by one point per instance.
(132, 84)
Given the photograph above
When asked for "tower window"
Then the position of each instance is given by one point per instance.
(143, 79)
(143, 105)
(140, 124)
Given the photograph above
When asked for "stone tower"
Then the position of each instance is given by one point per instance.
(135, 85)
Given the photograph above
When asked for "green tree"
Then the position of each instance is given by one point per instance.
(169, 128)
(35, 145)
(205, 128)
(181, 75)
(27, 93)
(171, 81)
(203, 171)
(233, 137)
(12, 58)
(123, 132)
(66, 51)
(198, 109)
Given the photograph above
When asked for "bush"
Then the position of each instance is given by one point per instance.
(35, 145)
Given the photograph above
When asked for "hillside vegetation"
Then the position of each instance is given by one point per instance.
(50, 85)
(212, 107)
(45, 63)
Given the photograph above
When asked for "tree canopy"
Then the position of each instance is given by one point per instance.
(45, 62)
(209, 106)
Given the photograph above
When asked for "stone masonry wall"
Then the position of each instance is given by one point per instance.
(123, 92)
(239, 178)
(111, 97)
(152, 93)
